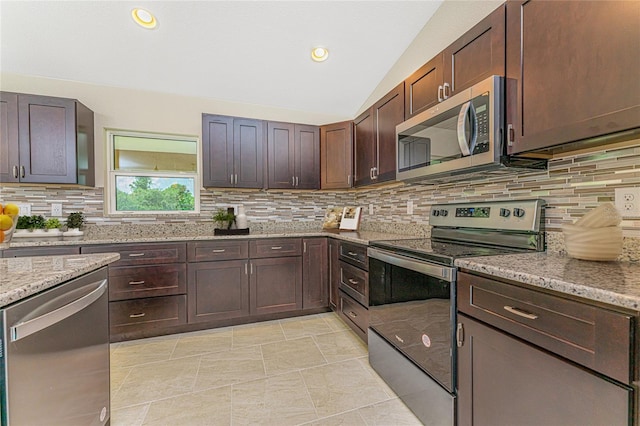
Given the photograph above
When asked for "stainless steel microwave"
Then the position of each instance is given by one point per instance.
(462, 135)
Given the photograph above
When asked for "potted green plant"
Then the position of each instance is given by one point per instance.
(75, 222)
(24, 223)
(224, 218)
(52, 223)
(37, 222)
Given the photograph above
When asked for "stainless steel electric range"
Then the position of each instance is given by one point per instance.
(412, 296)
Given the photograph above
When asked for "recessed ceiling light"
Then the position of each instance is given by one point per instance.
(319, 54)
(144, 18)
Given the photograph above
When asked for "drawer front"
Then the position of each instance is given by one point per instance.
(142, 254)
(40, 251)
(591, 336)
(275, 247)
(206, 251)
(354, 313)
(132, 282)
(145, 314)
(354, 254)
(355, 282)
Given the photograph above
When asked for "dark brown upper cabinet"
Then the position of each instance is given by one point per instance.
(477, 54)
(336, 155)
(375, 139)
(293, 153)
(232, 150)
(572, 71)
(45, 140)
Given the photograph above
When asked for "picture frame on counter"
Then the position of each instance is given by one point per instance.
(350, 218)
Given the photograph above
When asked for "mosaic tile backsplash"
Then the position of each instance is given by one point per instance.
(571, 186)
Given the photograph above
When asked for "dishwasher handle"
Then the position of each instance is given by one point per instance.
(27, 328)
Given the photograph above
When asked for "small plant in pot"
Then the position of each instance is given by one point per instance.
(52, 223)
(36, 222)
(224, 218)
(75, 220)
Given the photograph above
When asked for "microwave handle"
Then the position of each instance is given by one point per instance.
(466, 146)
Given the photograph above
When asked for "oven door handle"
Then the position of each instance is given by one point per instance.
(437, 271)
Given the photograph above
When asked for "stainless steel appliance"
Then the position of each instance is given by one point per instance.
(54, 365)
(412, 296)
(460, 135)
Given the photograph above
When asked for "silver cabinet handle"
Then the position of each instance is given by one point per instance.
(511, 135)
(352, 281)
(140, 315)
(251, 268)
(440, 90)
(218, 250)
(136, 282)
(349, 180)
(297, 181)
(27, 328)
(460, 335)
(352, 253)
(444, 90)
(236, 179)
(22, 172)
(375, 173)
(15, 172)
(276, 248)
(231, 178)
(304, 246)
(293, 181)
(246, 271)
(520, 312)
(371, 173)
(136, 254)
(352, 314)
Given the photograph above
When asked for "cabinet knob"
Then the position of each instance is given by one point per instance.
(440, 90)
(446, 93)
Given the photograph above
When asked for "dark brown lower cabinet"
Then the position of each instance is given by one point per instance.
(135, 315)
(314, 269)
(218, 290)
(505, 381)
(334, 272)
(275, 285)
(39, 251)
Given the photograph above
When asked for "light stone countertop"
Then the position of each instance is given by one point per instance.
(613, 283)
(361, 237)
(22, 277)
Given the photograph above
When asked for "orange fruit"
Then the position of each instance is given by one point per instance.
(5, 222)
(11, 209)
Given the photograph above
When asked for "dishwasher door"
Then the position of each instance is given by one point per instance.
(56, 355)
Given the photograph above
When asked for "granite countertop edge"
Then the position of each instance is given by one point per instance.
(47, 272)
(611, 283)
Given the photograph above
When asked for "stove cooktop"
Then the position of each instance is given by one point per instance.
(441, 252)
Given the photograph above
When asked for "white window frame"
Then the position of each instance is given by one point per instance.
(110, 182)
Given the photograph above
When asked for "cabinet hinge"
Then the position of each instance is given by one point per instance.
(511, 135)
(460, 335)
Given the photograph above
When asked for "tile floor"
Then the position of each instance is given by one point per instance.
(309, 370)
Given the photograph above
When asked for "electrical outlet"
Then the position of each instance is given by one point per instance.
(370, 209)
(56, 210)
(409, 207)
(628, 201)
(24, 209)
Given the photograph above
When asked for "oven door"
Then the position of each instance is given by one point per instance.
(412, 307)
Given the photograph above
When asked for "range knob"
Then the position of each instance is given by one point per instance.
(518, 212)
(444, 212)
(436, 212)
(505, 212)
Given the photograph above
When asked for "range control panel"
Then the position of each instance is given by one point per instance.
(517, 215)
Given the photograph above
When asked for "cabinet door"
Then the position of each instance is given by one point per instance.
(307, 156)
(423, 88)
(388, 113)
(217, 290)
(569, 70)
(275, 285)
(281, 155)
(217, 151)
(336, 158)
(365, 148)
(47, 134)
(334, 272)
(314, 273)
(477, 55)
(9, 159)
(503, 381)
(248, 142)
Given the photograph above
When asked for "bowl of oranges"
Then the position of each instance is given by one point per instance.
(8, 222)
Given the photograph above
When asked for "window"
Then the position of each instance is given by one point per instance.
(151, 173)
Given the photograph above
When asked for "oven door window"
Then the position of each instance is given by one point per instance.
(413, 312)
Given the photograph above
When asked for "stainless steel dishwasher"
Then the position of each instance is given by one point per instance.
(55, 355)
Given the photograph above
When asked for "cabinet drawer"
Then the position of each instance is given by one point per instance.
(591, 336)
(275, 247)
(40, 251)
(354, 254)
(355, 282)
(132, 282)
(356, 315)
(145, 314)
(142, 254)
(205, 251)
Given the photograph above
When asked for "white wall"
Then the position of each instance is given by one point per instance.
(140, 110)
(452, 19)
